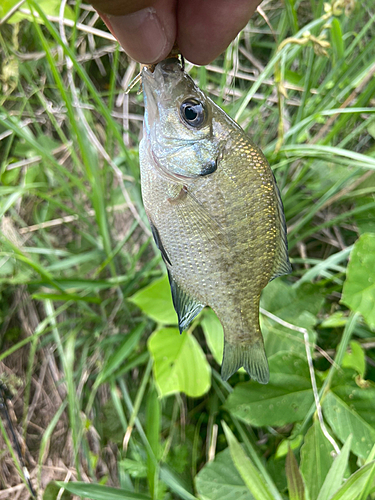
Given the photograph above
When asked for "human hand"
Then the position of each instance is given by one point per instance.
(148, 29)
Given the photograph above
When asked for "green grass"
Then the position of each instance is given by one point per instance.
(90, 405)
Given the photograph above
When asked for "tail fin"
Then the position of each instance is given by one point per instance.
(251, 356)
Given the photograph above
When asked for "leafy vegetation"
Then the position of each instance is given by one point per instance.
(109, 401)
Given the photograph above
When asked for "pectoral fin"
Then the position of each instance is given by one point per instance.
(186, 307)
(193, 213)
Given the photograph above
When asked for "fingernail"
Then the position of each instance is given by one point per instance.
(141, 34)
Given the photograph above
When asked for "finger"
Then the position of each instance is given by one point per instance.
(206, 27)
(121, 7)
(146, 34)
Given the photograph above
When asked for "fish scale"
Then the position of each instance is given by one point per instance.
(215, 211)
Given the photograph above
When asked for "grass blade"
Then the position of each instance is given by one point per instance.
(335, 474)
(99, 492)
(356, 483)
(250, 475)
(175, 483)
(123, 351)
(153, 415)
(296, 487)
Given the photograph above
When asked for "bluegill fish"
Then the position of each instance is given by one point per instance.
(215, 212)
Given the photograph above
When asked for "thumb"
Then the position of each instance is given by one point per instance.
(146, 29)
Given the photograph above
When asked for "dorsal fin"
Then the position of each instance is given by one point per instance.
(281, 263)
(186, 307)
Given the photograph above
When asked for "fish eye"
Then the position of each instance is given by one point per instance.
(192, 112)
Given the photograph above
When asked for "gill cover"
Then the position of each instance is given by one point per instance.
(178, 123)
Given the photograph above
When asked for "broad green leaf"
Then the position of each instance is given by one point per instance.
(214, 333)
(288, 301)
(249, 473)
(345, 421)
(296, 305)
(220, 480)
(156, 301)
(316, 459)
(179, 363)
(280, 338)
(355, 484)
(99, 492)
(6, 5)
(365, 220)
(359, 399)
(284, 400)
(335, 474)
(359, 287)
(359, 395)
(296, 488)
(355, 359)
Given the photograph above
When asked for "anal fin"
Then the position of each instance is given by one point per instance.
(185, 306)
(249, 355)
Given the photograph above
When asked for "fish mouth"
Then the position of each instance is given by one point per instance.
(150, 94)
(158, 84)
(162, 78)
